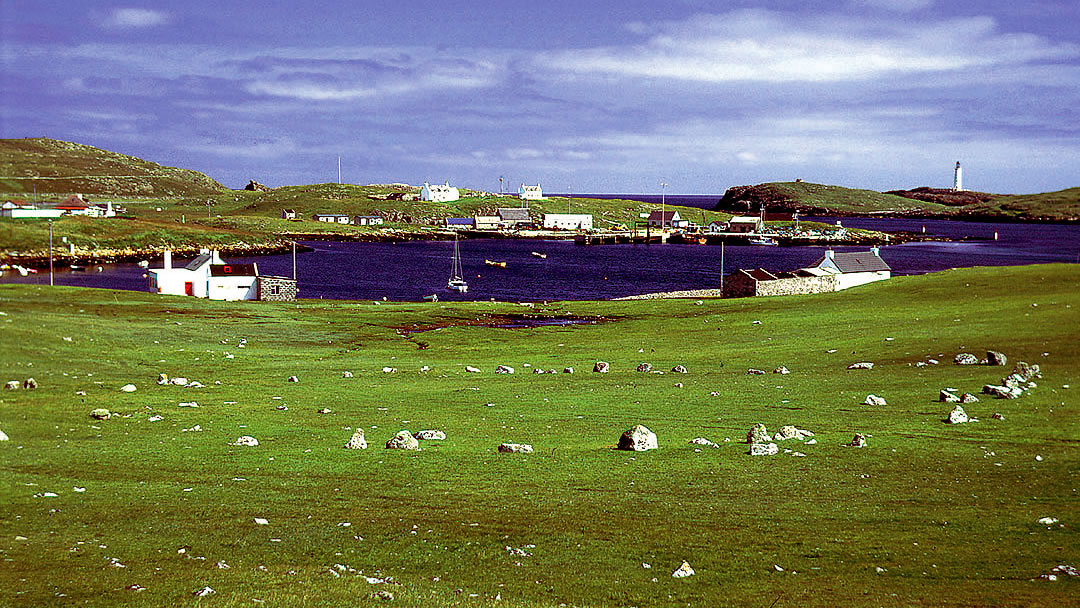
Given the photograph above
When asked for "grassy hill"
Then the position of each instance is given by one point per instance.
(922, 202)
(927, 514)
(54, 166)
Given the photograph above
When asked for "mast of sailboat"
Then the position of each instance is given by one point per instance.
(339, 169)
(721, 269)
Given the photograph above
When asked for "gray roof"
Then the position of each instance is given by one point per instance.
(515, 213)
(857, 261)
(197, 262)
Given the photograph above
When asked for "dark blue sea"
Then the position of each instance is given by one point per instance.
(411, 270)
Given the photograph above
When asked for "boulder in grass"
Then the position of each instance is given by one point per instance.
(515, 448)
(858, 441)
(638, 438)
(965, 359)
(683, 571)
(162, 379)
(128, 388)
(29, 384)
(947, 397)
(703, 441)
(100, 414)
(1002, 392)
(957, 416)
(568, 370)
(504, 369)
(403, 441)
(294, 379)
(993, 357)
(644, 367)
(758, 434)
(873, 399)
(429, 435)
(755, 372)
(968, 398)
(679, 369)
(179, 381)
(3, 436)
(358, 442)
(346, 374)
(1027, 371)
(12, 385)
(472, 370)
(764, 449)
(861, 365)
(245, 441)
(791, 432)
(781, 370)
(601, 367)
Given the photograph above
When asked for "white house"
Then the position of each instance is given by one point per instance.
(207, 276)
(486, 222)
(530, 193)
(716, 227)
(746, 224)
(567, 221)
(16, 210)
(331, 218)
(667, 219)
(367, 220)
(437, 193)
(854, 268)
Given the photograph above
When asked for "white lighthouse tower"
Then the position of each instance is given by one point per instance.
(958, 178)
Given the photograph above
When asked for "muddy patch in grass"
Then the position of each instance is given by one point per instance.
(504, 322)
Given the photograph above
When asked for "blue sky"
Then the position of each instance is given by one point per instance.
(600, 96)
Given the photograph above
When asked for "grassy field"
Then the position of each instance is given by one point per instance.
(928, 514)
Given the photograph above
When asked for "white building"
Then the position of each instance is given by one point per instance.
(958, 178)
(567, 221)
(854, 268)
(667, 219)
(530, 193)
(745, 224)
(367, 220)
(437, 193)
(207, 276)
(16, 211)
(331, 218)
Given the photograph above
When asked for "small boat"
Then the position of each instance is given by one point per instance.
(537, 254)
(432, 298)
(496, 264)
(78, 268)
(456, 282)
(763, 240)
(144, 264)
(19, 269)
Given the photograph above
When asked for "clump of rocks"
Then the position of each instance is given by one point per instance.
(781, 370)
(515, 448)
(403, 441)
(858, 441)
(429, 435)
(601, 367)
(789, 431)
(1013, 386)
(245, 441)
(861, 365)
(764, 449)
(638, 438)
(758, 434)
(679, 369)
(644, 367)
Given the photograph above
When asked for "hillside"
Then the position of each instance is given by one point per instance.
(60, 167)
(818, 199)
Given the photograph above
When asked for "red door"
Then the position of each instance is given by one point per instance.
(189, 288)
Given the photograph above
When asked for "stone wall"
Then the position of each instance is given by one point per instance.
(742, 286)
(285, 289)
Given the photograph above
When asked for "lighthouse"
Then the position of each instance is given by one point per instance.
(958, 178)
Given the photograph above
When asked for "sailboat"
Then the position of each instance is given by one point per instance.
(457, 283)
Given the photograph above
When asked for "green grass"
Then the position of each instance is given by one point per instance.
(925, 501)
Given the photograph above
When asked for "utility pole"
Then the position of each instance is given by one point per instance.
(50, 255)
(663, 220)
(721, 269)
(500, 185)
(294, 260)
(339, 169)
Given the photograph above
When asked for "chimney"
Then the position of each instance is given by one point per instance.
(829, 254)
(215, 257)
(168, 260)
(874, 250)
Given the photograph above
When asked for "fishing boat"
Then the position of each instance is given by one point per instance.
(432, 298)
(763, 240)
(537, 254)
(78, 268)
(456, 282)
(144, 264)
(496, 264)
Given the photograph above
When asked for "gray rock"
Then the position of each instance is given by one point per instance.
(679, 369)
(568, 370)
(758, 434)
(998, 416)
(472, 370)
(29, 384)
(1002, 392)
(1027, 371)
(346, 374)
(601, 367)
(644, 367)
(993, 357)
(3, 436)
(791, 432)
(246, 441)
(755, 372)
(873, 399)
(358, 442)
(946, 397)
(515, 448)
(128, 388)
(781, 370)
(683, 571)
(180, 381)
(100, 414)
(1013, 381)
(162, 379)
(861, 365)
(12, 385)
(504, 369)
(703, 441)
(293, 379)
(763, 449)
(858, 441)
(638, 438)
(965, 359)
(403, 441)
(968, 398)
(957, 416)
(429, 435)
(537, 370)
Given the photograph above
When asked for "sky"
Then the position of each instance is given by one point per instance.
(603, 96)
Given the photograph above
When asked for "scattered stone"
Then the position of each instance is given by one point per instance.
(764, 449)
(128, 388)
(3, 436)
(155, 418)
(357, 442)
(703, 441)
(946, 397)
(403, 441)
(998, 416)
(644, 367)
(678, 369)
(504, 369)
(568, 370)
(861, 365)
(383, 594)
(601, 367)
(957, 416)
(993, 357)
(968, 398)
(515, 448)
(29, 384)
(638, 438)
(205, 591)
(538, 371)
(162, 379)
(12, 385)
(246, 440)
(758, 434)
(932, 361)
(791, 432)
(188, 404)
(1002, 392)
(755, 372)
(324, 410)
(678, 385)
(259, 521)
(1027, 371)
(858, 441)
(222, 565)
(683, 571)
(873, 399)
(472, 370)
(346, 374)
(135, 587)
(389, 370)
(293, 379)
(181, 381)
(430, 435)
(781, 370)
(965, 359)
(1047, 521)
(100, 414)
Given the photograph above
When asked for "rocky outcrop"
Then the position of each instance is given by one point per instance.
(403, 441)
(758, 434)
(254, 186)
(515, 448)
(638, 438)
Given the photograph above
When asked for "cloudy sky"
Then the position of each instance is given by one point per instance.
(593, 96)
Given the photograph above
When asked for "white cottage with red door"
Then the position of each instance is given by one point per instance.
(207, 276)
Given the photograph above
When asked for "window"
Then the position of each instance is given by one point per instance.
(275, 290)
(227, 269)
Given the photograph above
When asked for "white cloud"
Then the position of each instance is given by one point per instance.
(765, 46)
(124, 18)
(900, 6)
(253, 150)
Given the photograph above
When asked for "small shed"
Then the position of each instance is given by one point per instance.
(331, 218)
(288, 214)
(459, 223)
(367, 220)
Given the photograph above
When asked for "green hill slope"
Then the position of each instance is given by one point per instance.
(60, 167)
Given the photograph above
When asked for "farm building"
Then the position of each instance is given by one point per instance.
(667, 219)
(331, 218)
(367, 220)
(567, 221)
(514, 217)
(746, 224)
(208, 276)
(832, 272)
(439, 193)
